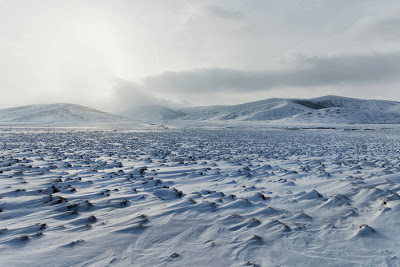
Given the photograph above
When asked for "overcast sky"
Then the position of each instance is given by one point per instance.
(112, 54)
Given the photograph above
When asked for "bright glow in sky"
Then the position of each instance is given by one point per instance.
(109, 54)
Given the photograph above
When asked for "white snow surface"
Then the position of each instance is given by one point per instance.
(211, 196)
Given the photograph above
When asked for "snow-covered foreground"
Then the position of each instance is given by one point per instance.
(217, 197)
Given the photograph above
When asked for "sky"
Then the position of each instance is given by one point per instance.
(112, 55)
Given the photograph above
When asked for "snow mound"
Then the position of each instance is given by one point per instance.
(311, 195)
(365, 231)
(167, 194)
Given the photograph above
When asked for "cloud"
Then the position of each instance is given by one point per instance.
(126, 94)
(307, 71)
(198, 51)
(379, 28)
(132, 94)
(213, 25)
(225, 13)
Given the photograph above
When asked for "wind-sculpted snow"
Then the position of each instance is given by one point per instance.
(222, 197)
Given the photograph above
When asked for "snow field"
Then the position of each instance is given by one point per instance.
(216, 197)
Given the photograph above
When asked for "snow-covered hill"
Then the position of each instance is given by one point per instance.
(57, 113)
(321, 110)
(345, 116)
(341, 110)
(325, 110)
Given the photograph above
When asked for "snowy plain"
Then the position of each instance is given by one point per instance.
(211, 194)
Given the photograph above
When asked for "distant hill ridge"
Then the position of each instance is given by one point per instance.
(326, 110)
(57, 113)
(321, 110)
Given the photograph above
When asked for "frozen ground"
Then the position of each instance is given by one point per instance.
(199, 197)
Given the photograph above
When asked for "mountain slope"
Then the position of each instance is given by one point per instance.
(269, 109)
(57, 113)
(345, 116)
(321, 110)
(327, 109)
(203, 113)
(342, 110)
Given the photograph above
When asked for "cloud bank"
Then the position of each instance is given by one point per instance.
(309, 71)
(106, 54)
